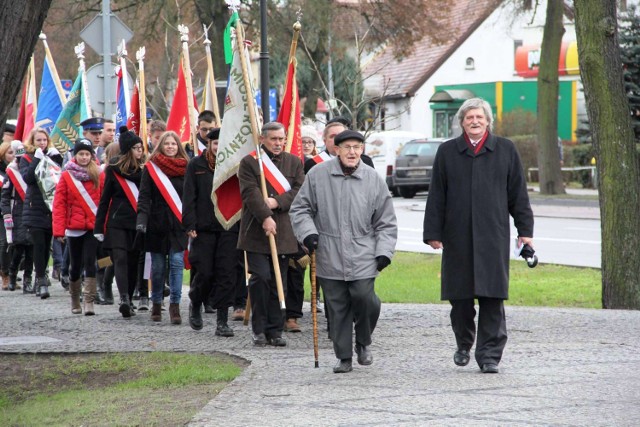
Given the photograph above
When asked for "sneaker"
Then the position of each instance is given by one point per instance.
(238, 314)
(143, 305)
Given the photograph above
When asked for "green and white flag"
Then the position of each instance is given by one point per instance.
(67, 128)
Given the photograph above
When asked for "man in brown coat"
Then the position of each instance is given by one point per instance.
(262, 217)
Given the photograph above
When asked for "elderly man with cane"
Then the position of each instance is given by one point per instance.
(345, 211)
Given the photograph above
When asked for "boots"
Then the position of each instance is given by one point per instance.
(174, 314)
(13, 278)
(75, 288)
(107, 284)
(222, 328)
(100, 298)
(90, 290)
(64, 281)
(156, 312)
(195, 315)
(125, 306)
(42, 287)
(27, 286)
(5, 281)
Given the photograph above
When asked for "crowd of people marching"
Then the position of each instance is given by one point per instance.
(113, 217)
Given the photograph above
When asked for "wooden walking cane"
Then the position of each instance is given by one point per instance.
(314, 313)
(263, 182)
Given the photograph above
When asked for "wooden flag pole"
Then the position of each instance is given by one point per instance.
(212, 79)
(186, 63)
(263, 182)
(143, 99)
(54, 71)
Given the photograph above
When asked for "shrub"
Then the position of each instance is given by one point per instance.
(527, 146)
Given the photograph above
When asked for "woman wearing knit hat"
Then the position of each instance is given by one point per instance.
(309, 141)
(11, 205)
(74, 214)
(160, 220)
(120, 200)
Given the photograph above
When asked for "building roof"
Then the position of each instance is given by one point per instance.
(405, 76)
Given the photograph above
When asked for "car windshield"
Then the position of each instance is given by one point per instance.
(420, 149)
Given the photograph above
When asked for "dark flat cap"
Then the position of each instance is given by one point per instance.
(9, 128)
(342, 120)
(347, 135)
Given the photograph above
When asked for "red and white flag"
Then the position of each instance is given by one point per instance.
(28, 106)
(289, 114)
(133, 119)
(235, 142)
(182, 120)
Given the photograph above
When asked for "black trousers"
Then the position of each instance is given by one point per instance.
(125, 266)
(266, 316)
(492, 327)
(82, 255)
(349, 301)
(16, 257)
(241, 292)
(41, 240)
(141, 282)
(295, 291)
(214, 257)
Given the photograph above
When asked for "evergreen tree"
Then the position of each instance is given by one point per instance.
(629, 35)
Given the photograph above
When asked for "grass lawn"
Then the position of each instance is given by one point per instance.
(415, 278)
(150, 389)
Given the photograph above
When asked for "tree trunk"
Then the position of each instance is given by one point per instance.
(20, 25)
(613, 140)
(548, 151)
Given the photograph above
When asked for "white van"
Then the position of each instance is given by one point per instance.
(383, 147)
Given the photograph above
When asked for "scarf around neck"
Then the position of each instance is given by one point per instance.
(171, 166)
(78, 172)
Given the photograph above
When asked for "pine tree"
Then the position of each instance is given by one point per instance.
(629, 34)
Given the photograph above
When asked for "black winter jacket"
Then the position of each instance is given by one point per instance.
(197, 207)
(36, 213)
(115, 210)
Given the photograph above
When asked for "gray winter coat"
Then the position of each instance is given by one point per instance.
(353, 216)
(470, 200)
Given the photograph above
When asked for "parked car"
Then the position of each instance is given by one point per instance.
(383, 148)
(413, 166)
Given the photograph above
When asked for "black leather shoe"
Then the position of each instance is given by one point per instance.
(195, 316)
(259, 340)
(343, 366)
(490, 368)
(278, 342)
(364, 354)
(461, 357)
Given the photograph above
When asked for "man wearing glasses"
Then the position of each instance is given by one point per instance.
(345, 211)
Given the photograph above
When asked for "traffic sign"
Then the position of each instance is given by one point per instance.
(95, 83)
(93, 33)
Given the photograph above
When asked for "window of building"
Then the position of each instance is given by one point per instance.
(470, 64)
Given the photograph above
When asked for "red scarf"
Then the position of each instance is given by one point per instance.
(171, 166)
(480, 143)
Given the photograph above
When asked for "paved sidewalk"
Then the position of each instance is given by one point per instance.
(564, 367)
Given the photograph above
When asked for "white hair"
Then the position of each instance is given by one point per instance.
(473, 103)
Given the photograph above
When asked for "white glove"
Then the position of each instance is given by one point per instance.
(99, 237)
(52, 151)
(39, 154)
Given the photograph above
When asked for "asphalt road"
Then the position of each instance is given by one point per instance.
(567, 231)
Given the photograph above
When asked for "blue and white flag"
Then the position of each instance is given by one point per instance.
(49, 102)
(122, 112)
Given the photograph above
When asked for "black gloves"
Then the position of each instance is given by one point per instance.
(141, 228)
(527, 252)
(311, 243)
(383, 262)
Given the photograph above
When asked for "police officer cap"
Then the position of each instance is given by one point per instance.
(347, 135)
(214, 134)
(342, 120)
(93, 123)
(83, 144)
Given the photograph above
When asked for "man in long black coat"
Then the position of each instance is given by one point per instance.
(477, 182)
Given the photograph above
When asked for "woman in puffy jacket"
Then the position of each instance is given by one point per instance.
(116, 219)
(36, 214)
(74, 215)
(11, 204)
(160, 218)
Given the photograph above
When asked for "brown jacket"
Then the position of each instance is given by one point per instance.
(252, 237)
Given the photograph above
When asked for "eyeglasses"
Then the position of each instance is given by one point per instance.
(307, 143)
(137, 147)
(348, 148)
